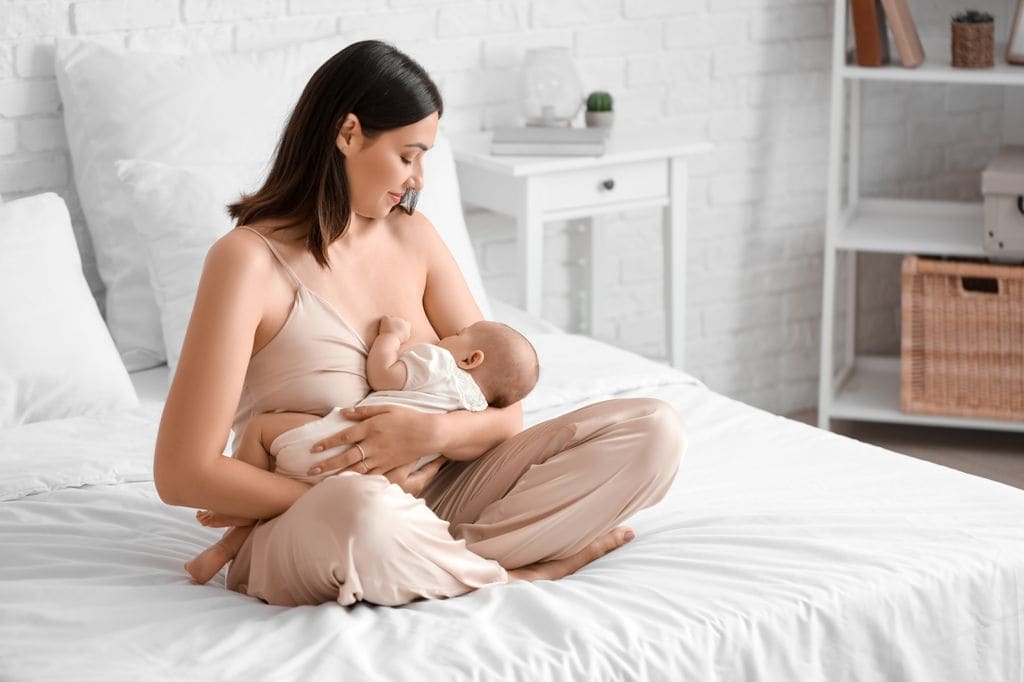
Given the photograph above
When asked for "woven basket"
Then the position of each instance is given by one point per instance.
(972, 44)
(962, 345)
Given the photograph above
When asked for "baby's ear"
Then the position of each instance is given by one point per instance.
(475, 359)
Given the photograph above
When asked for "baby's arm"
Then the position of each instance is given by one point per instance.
(384, 371)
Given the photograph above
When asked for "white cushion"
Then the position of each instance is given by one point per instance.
(179, 212)
(57, 359)
(178, 109)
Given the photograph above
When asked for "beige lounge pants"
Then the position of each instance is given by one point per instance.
(544, 494)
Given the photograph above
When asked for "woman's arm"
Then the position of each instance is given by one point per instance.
(391, 437)
(188, 467)
(470, 434)
(450, 306)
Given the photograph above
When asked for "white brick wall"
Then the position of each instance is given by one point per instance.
(103, 16)
(751, 75)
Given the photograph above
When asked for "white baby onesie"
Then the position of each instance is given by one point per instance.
(434, 384)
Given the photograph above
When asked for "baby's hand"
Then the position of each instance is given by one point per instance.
(397, 326)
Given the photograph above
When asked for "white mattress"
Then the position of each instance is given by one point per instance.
(781, 552)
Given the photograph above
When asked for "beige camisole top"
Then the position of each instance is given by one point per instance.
(316, 362)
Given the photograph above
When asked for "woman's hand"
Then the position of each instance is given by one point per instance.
(386, 438)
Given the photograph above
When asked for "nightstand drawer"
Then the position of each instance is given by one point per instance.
(608, 185)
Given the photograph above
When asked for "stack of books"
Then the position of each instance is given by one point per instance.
(541, 141)
(869, 32)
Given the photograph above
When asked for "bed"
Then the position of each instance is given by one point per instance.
(781, 552)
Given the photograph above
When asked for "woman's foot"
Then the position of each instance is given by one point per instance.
(559, 568)
(212, 519)
(206, 565)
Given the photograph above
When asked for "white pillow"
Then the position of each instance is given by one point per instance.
(179, 212)
(179, 109)
(57, 359)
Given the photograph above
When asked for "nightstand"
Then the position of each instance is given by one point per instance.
(639, 169)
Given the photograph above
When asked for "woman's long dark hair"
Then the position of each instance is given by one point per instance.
(307, 184)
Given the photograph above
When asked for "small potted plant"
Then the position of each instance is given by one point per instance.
(973, 40)
(599, 110)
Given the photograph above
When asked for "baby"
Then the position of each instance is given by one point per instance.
(485, 364)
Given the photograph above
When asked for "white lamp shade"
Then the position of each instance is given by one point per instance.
(552, 92)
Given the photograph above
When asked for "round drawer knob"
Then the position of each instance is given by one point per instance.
(608, 184)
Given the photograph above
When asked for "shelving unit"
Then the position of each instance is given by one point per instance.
(867, 388)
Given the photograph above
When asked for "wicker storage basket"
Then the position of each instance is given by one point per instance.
(962, 345)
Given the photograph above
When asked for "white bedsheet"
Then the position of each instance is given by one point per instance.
(781, 553)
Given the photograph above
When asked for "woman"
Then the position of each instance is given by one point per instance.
(285, 309)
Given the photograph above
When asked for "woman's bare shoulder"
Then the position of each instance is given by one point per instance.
(240, 251)
(240, 241)
(414, 230)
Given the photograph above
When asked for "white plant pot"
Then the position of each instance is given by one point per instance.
(599, 119)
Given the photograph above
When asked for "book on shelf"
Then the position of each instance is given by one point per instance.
(904, 32)
(1015, 44)
(869, 36)
(541, 141)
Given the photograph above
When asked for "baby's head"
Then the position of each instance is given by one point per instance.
(501, 361)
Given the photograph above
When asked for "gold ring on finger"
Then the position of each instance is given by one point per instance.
(363, 460)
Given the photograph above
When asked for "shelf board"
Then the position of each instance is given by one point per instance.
(872, 393)
(913, 226)
(936, 69)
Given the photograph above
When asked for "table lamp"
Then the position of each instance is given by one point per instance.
(552, 92)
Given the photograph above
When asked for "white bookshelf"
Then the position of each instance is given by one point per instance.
(867, 388)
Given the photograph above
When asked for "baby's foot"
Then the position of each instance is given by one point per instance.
(212, 519)
(559, 568)
(206, 565)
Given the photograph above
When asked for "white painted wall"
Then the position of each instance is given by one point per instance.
(751, 75)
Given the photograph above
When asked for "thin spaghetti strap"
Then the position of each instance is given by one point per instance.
(280, 260)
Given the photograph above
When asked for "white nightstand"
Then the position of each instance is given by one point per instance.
(638, 170)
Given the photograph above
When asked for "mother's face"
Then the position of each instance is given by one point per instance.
(382, 168)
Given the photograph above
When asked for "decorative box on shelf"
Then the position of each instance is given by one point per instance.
(1002, 183)
(962, 341)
